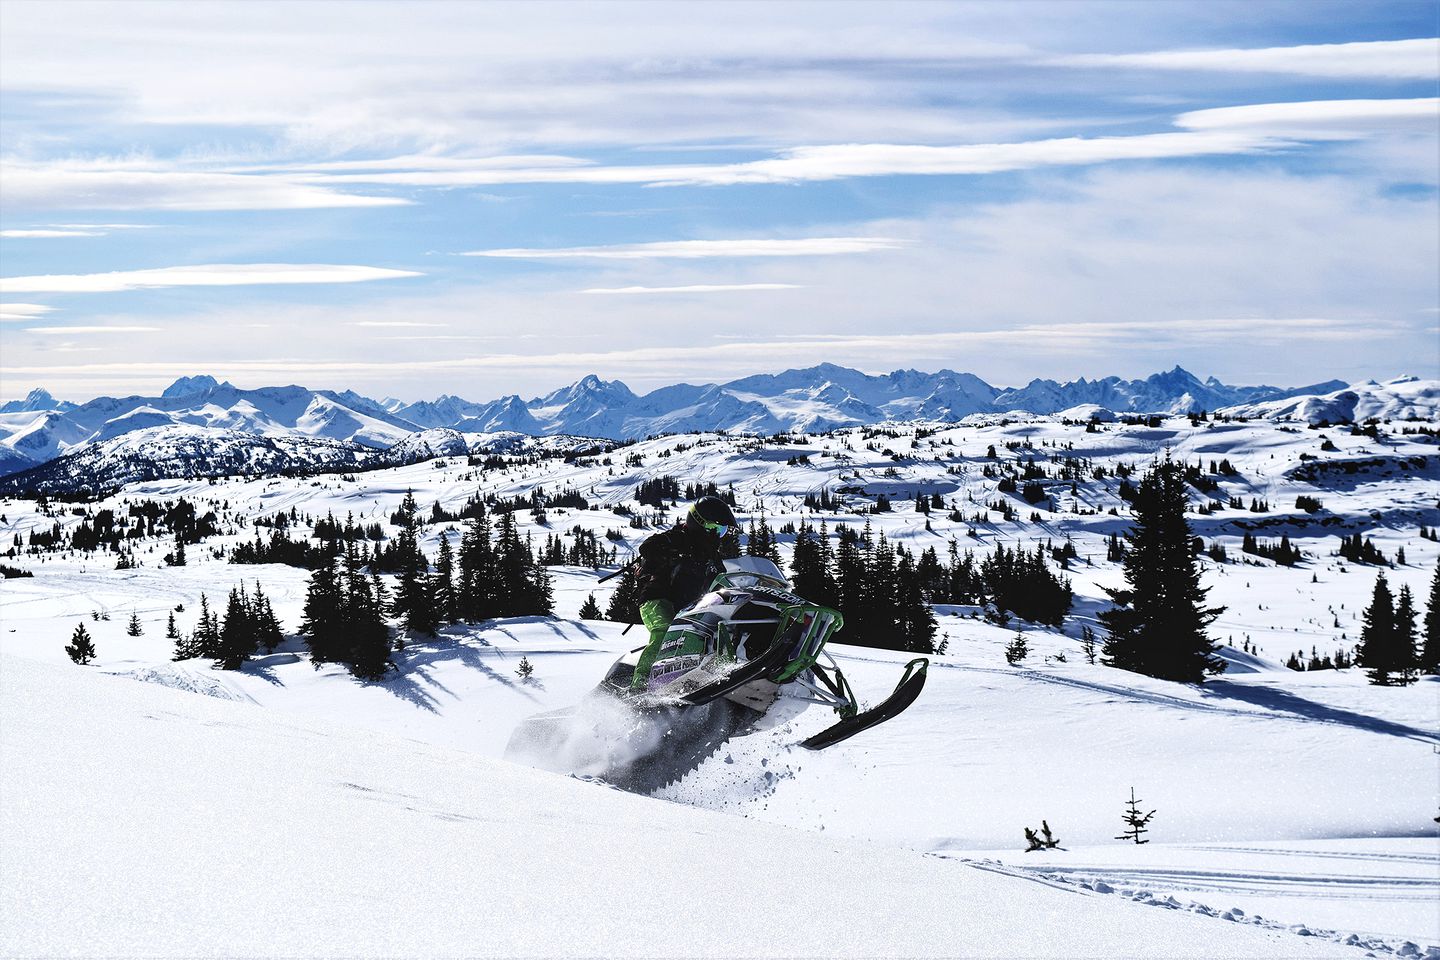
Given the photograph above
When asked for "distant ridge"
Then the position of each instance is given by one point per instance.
(39, 428)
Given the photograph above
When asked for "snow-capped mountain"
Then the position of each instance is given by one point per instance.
(277, 412)
(818, 398)
(1400, 398)
(184, 451)
(36, 400)
(1175, 391)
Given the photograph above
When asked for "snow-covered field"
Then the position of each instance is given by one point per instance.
(1294, 809)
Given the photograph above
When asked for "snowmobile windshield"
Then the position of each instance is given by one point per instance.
(750, 573)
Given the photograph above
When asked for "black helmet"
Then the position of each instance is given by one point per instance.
(713, 514)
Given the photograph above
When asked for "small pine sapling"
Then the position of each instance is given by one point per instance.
(1018, 650)
(133, 628)
(1087, 643)
(1135, 820)
(1035, 843)
(81, 648)
(590, 610)
(525, 670)
(1050, 842)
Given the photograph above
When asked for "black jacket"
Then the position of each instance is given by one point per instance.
(678, 564)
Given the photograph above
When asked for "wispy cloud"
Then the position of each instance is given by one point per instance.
(698, 288)
(111, 184)
(46, 234)
(210, 275)
(1417, 59)
(18, 312)
(397, 323)
(1320, 119)
(697, 249)
(57, 230)
(92, 329)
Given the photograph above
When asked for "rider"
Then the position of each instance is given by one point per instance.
(675, 567)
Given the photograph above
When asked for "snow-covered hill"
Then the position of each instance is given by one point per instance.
(153, 452)
(823, 397)
(142, 820)
(1400, 398)
(1292, 806)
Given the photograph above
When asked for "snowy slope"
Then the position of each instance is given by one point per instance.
(348, 843)
(1401, 398)
(155, 451)
(1329, 781)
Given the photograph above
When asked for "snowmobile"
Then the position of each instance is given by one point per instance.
(723, 664)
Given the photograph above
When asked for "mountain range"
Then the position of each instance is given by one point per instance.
(40, 428)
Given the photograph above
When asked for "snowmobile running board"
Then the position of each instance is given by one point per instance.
(751, 670)
(909, 687)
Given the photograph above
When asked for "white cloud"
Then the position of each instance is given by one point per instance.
(15, 312)
(48, 234)
(696, 249)
(1321, 119)
(397, 323)
(1417, 59)
(697, 288)
(106, 329)
(160, 185)
(209, 275)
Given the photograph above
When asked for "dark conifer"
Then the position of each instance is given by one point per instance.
(81, 648)
(624, 606)
(320, 624)
(442, 582)
(1157, 626)
(1377, 649)
(590, 610)
(1135, 820)
(133, 628)
(237, 634)
(1430, 648)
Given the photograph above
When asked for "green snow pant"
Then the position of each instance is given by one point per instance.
(656, 615)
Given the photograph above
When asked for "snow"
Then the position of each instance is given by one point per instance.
(1293, 809)
(153, 822)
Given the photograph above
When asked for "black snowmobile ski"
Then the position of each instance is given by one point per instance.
(909, 687)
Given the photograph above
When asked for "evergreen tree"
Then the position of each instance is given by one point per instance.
(477, 590)
(915, 618)
(810, 573)
(442, 582)
(1017, 650)
(237, 634)
(320, 622)
(1377, 651)
(590, 610)
(171, 633)
(525, 670)
(268, 633)
(1135, 820)
(205, 641)
(1157, 626)
(624, 606)
(1430, 650)
(81, 648)
(413, 599)
(134, 629)
(364, 632)
(1406, 659)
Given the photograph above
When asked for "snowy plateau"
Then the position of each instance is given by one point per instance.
(171, 809)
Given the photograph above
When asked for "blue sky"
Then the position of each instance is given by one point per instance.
(483, 199)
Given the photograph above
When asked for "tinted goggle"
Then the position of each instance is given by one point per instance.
(719, 529)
